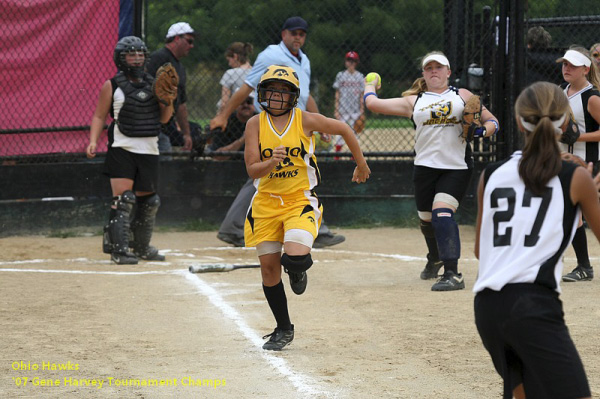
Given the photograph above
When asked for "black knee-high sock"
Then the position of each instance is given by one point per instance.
(432, 248)
(580, 247)
(429, 235)
(278, 303)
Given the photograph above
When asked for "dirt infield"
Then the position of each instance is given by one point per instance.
(367, 327)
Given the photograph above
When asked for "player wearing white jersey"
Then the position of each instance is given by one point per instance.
(529, 206)
(582, 82)
(132, 156)
(443, 161)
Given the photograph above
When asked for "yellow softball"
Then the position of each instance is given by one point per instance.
(371, 77)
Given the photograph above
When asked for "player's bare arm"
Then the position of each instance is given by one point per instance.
(584, 192)
(220, 120)
(184, 124)
(594, 110)
(480, 188)
(318, 122)
(400, 106)
(99, 118)
(254, 166)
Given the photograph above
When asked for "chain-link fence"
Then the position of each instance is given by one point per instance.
(57, 59)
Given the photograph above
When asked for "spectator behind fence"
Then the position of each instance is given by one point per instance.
(581, 88)
(595, 53)
(237, 55)
(443, 160)
(232, 139)
(349, 85)
(132, 158)
(288, 53)
(178, 43)
(540, 57)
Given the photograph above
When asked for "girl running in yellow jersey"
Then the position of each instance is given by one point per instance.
(285, 210)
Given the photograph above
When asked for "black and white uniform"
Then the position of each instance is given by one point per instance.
(588, 151)
(134, 158)
(439, 149)
(518, 312)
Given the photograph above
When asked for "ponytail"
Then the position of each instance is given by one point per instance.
(541, 108)
(418, 86)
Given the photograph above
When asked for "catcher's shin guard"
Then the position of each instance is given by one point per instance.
(142, 227)
(118, 227)
(446, 234)
(429, 234)
(106, 243)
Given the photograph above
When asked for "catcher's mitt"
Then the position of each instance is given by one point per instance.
(165, 84)
(359, 125)
(471, 118)
(571, 134)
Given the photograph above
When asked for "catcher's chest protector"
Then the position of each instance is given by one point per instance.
(140, 114)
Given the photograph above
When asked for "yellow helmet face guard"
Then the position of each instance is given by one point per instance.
(283, 74)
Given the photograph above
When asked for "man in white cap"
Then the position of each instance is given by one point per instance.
(288, 53)
(178, 43)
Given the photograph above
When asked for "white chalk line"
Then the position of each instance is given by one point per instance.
(89, 272)
(301, 382)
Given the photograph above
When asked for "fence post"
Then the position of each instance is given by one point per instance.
(138, 9)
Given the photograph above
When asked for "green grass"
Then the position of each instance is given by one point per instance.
(389, 123)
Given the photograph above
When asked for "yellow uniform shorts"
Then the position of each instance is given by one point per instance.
(270, 216)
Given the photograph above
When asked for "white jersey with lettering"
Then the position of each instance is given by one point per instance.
(589, 151)
(437, 118)
(523, 237)
(298, 172)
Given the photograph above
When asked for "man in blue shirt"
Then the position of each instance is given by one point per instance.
(288, 53)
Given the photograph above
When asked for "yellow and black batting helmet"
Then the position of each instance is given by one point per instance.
(278, 73)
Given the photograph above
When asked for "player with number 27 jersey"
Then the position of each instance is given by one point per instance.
(515, 224)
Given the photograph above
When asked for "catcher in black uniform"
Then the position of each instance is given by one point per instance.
(132, 157)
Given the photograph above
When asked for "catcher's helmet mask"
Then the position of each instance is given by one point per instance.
(271, 99)
(127, 45)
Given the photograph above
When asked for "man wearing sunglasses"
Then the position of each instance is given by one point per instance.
(178, 43)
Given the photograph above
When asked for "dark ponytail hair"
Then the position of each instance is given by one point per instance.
(243, 50)
(539, 105)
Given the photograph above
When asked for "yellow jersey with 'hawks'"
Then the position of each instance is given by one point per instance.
(298, 171)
